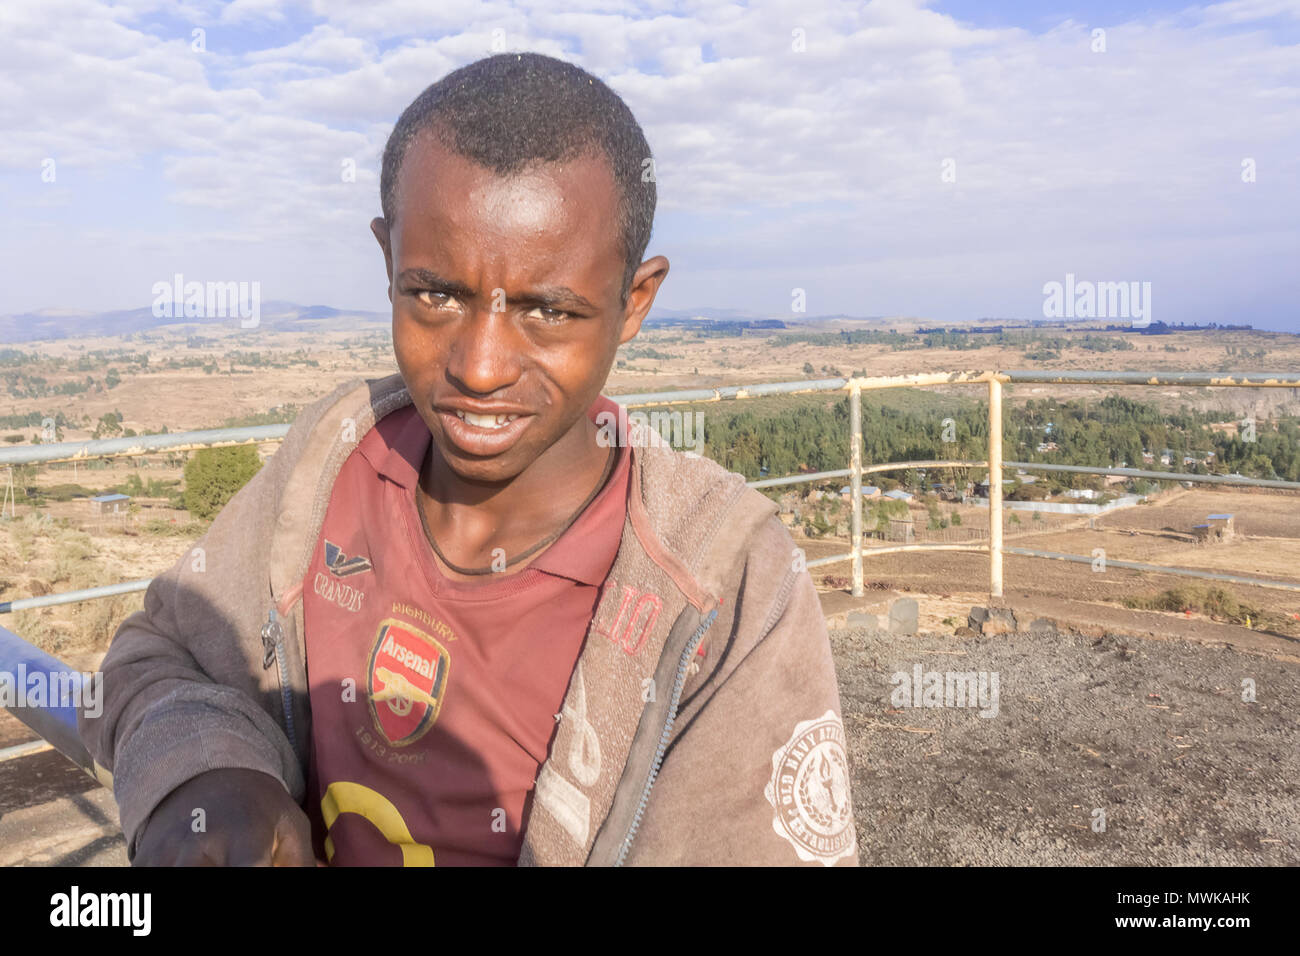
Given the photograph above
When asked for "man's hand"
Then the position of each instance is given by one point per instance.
(248, 819)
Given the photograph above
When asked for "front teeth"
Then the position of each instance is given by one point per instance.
(485, 421)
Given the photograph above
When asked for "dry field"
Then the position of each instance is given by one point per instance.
(1267, 545)
(1093, 753)
(189, 398)
(1256, 514)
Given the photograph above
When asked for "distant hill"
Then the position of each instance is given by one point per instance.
(660, 316)
(276, 315)
(47, 324)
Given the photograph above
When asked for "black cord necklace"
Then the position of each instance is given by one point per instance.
(424, 520)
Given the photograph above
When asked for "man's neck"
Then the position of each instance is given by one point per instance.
(471, 520)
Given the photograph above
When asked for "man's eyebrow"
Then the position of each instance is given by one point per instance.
(558, 297)
(427, 277)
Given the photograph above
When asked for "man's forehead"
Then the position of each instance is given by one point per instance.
(438, 182)
(555, 221)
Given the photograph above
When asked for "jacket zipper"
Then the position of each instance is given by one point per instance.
(273, 641)
(691, 646)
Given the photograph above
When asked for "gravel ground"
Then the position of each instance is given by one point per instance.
(1153, 733)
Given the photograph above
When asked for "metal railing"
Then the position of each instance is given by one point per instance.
(63, 735)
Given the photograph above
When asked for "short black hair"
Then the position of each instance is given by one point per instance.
(511, 110)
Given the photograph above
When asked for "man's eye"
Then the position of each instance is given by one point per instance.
(436, 300)
(550, 316)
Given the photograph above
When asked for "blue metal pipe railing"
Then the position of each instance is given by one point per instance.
(64, 692)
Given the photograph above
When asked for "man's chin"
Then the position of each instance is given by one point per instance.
(479, 469)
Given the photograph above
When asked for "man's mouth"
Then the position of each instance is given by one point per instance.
(483, 435)
(485, 421)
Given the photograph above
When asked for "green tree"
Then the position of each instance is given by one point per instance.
(213, 476)
(110, 424)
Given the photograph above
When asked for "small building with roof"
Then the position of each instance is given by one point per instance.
(109, 504)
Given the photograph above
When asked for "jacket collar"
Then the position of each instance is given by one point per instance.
(687, 513)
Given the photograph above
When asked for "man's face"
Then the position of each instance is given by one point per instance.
(506, 310)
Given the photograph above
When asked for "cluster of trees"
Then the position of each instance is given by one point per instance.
(792, 435)
(269, 360)
(26, 385)
(136, 487)
(635, 353)
(22, 384)
(12, 358)
(1253, 355)
(24, 419)
(1119, 429)
(279, 415)
(1275, 453)
(26, 375)
(813, 435)
(96, 359)
(896, 340)
(110, 426)
(213, 476)
(1040, 343)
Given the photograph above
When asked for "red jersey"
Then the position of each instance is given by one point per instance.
(434, 701)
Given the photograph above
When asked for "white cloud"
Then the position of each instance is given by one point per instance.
(820, 161)
(1248, 11)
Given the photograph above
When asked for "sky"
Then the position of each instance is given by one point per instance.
(944, 159)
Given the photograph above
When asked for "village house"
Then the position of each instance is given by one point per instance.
(868, 491)
(109, 504)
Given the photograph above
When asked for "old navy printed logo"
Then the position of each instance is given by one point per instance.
(406, 680)
(340, 565)
(809, 791)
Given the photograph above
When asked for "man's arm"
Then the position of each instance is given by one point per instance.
(757, 772)
(183, 690)
(167, 721)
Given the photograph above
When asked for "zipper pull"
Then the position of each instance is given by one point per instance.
(272, 635)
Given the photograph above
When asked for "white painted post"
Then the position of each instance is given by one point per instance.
(995, 488)
(855, 485)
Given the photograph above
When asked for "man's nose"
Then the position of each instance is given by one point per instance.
(484, 356)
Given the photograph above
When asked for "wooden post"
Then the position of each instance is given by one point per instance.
(995, 488)
(855, 485)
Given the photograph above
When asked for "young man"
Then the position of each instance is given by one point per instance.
(451, 622)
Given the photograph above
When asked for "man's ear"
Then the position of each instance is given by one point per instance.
(646, 281)
(379, 226)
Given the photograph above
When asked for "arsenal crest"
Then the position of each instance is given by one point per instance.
(405, 680)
